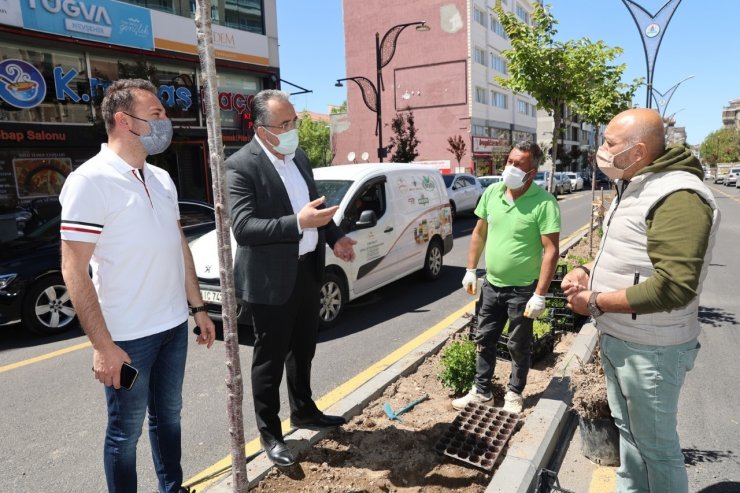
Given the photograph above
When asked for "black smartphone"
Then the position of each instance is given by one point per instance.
(128, 376)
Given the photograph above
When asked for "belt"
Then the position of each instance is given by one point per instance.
(305, 256)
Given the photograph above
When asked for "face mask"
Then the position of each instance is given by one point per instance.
(159, 138)
(288, 141)
(514, 178)
(605, 162)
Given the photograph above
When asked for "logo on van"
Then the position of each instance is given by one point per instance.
(21, 84)
(427, 183)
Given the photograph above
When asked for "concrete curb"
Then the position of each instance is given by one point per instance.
(544, 427)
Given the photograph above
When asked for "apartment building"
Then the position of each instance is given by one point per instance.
(445, 76)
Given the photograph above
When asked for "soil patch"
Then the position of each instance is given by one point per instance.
(374, 454)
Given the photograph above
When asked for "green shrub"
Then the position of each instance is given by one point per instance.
(458, 365)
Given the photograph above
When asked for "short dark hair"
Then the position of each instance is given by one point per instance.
(120, 97)
(531, 148)
(260, 111)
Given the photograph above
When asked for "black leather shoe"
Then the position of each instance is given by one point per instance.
(277, 452)
(318, 421)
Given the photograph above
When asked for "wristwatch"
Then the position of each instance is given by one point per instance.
(196, 309)
(593, 308)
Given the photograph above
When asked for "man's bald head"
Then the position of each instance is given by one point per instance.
(642, 125)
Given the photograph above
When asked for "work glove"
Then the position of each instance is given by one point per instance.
(470, 281)
(535, 306)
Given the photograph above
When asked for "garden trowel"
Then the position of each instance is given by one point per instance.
(395, 415)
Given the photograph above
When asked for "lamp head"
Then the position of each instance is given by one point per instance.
(423, 27)
(338, 84)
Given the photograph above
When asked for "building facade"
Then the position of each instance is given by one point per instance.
(445, 76)
(57, 58)
(576, 140)
(731, 115)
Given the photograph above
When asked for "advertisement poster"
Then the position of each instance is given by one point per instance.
(40, 177)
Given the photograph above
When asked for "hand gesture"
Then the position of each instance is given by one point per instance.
(344, 248)
(107, 364)
(207, 329)
(314, 216)
(574, 282)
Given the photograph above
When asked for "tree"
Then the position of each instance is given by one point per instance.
(557, 74)
(404, 140)
(342, 108)
(457, 147)
(234, 381)
(721, 146)
(314, 138)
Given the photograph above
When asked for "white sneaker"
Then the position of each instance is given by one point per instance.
(472, 396)
(513, 402)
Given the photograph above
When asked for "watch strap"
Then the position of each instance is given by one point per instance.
(196, 309)
(583, 268)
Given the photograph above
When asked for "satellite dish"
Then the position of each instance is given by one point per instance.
(351, 156)
(364, 156)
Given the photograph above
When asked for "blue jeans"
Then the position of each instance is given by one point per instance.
(643, 386)
(160, 359)
(499, 304)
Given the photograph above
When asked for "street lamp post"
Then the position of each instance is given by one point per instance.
(665, 98)
(385, 49)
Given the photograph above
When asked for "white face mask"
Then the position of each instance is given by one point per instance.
(514, 178)
(605, 162)
(288, 141)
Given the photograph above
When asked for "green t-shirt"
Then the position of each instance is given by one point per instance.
(514, 244)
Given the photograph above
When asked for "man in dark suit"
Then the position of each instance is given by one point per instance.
(281, 226)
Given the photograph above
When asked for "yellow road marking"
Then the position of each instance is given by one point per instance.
(43, 357)
(735, 198)
(222, 467)
(575, 233)
(603, 480)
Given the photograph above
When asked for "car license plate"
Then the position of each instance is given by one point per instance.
(211, 296)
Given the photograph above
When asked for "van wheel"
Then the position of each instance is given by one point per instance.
(433, 262)
(47, 309)
(332, 299)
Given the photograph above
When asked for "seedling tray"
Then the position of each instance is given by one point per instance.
(541, 346)
(477, 435)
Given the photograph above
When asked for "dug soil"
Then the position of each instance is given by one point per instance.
(372, 453)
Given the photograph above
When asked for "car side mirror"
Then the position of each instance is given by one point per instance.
(368, 219)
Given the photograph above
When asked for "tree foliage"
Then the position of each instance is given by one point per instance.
(721, 146)
(315, 139)
(457, 147)
(569, 73)
(342, 108)
(404, 139)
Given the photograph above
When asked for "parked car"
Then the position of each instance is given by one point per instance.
(490, 180)
(543, 180)
(565, 181)
(576, 181)
(399, 215)
(464, 191)
(31, 286)
(731, 178)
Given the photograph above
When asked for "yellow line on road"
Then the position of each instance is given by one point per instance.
(603, 480)
(43, 357)
(575, 233)
(223, 467)
(735, 198)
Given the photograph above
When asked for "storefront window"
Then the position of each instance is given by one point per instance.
(161, 5)
(43, 86)
(235, 93)
(175, 85)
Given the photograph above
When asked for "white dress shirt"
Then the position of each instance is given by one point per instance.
(297, 190)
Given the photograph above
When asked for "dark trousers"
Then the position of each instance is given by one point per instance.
(285, 336)
(497, 305)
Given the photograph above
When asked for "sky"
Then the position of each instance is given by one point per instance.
(700, 40)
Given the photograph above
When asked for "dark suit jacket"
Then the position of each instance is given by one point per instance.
(266, 228)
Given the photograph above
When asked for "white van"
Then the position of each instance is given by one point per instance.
(400, 216)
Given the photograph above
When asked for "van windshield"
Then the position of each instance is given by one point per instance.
(333, 190)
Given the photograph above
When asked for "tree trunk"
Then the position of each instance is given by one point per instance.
(593, 193)
(557, 122)
(234, 382)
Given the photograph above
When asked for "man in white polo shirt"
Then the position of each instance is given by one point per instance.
(120, 217)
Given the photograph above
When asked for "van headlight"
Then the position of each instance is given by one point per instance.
(6, 279)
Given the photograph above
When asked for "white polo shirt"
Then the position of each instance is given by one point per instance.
(137, 265)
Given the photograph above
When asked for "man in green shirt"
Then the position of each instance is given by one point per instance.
(519, 227)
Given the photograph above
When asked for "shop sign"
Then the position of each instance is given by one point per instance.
(486, 145)
(104, 21)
